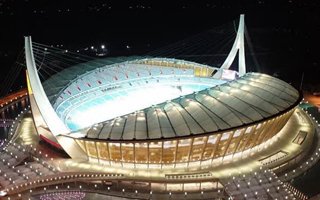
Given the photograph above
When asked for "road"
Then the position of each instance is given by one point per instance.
(13, 96)
(315, 100)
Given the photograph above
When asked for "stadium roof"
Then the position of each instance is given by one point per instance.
(60, 80)
(251, 98)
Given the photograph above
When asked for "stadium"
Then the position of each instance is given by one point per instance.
(163, 113)
(164, 127)
(150, 112)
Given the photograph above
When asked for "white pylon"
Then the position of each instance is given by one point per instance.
(238, 45)
(50, 117)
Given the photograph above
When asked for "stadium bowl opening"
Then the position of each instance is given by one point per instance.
(90, 102)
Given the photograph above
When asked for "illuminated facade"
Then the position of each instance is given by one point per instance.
(159, 112)
(196, 129)
(184, 152)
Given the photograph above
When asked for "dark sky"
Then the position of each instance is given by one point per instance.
(288, 30)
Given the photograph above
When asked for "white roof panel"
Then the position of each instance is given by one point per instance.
(247, 99)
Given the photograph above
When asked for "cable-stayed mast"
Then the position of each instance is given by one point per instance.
(51, 119)
(238, 46)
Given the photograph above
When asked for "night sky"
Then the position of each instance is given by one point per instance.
(287, 32)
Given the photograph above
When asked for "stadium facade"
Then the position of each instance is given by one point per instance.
(159, 113)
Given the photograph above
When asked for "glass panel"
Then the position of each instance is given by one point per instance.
(237, 133)
(209, 147)
(102, 148)
(243, 142)
(221, 147)
(232, 146)
(225, 136)
(91, 148)
(141, 150)
(199, 141)
(212, 139)
(114, 150)
(127, 152)
(197, 148)
(248, 130)
(169, 151)
(258, 126)
(155, 152)
(183, 150)
(252, 139)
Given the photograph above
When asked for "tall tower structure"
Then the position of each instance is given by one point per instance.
(238, 46)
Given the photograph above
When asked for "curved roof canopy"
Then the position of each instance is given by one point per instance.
(250, 98)
(61, 80)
